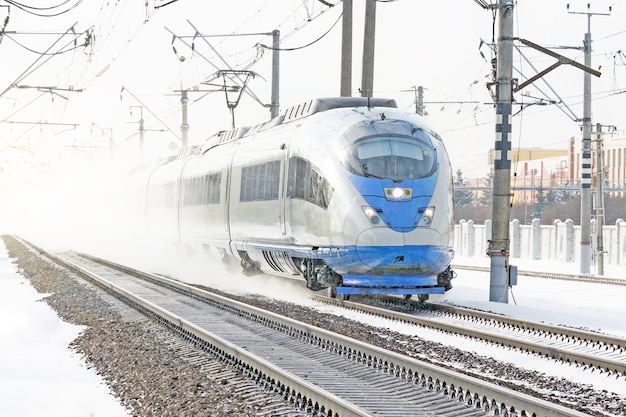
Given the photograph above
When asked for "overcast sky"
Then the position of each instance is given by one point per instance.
(148, 52)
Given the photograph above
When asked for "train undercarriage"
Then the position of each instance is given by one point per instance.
(320, 276)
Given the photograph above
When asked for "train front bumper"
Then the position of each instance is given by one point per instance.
(408, 263)
(389, 290)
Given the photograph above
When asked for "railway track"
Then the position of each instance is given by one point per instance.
(314, 370)
(594, 279)
(589, 350)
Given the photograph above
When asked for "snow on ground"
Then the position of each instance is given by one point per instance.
(42, 363)
(39, 374)
(594, 307)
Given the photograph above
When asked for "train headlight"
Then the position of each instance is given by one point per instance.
(372, 214)
(425, 216)
(398, 193)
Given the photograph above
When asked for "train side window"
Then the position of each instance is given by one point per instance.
(194, 191)
(202, 190)
(260, 182)
(320, 192)
(306, 182)
(213, 184)
(297, 177)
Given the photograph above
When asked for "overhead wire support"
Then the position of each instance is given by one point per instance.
(232, 103)
(498, 245)
(571, 113)
(52, 90)
(485, 5)
(275, 45)
(560, 60)
(192, 47)
(24, 74)
(585, 195)
(235, 77)
(149, 111)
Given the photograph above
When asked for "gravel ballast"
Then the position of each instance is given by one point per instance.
(143, 368)
(152, 376)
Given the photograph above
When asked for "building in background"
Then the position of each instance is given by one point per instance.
(535, 170)
(613, 147)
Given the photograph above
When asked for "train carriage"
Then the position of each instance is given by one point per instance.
(350, 194)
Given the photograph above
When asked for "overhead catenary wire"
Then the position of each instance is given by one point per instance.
(308, 44)
(254, 96)
(32, 67)
(36, 11)
(69, 49)
(257, 46)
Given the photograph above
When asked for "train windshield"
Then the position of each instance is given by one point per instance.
(390, 157)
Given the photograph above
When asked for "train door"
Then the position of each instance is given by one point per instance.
(256, 203)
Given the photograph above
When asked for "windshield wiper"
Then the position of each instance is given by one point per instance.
(363, 167)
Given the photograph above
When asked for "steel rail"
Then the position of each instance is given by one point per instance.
(224, 348)
(553, 275)
(584, 336)
(458, 384)
(552, 351)
(461, 387)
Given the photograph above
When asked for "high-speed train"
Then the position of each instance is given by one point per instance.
(349, 194)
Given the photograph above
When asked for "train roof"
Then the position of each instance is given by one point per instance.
(291, 114)
(322, 104)
(305, 109)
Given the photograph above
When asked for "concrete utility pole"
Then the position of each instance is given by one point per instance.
(419, 100)
(275, 99)
(369, 41)
(498, 249)
(346, 50)
(599, 201)
(184, 127)
(585, 195)
(141, 127)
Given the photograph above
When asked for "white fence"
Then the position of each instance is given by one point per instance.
(559, 241)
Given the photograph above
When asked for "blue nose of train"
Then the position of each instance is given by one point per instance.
(403, 253)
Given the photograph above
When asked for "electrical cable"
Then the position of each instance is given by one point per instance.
(512, 295)
(25, 6)
(308, 44)
(31, 68)
(73, 48)
(30, 9)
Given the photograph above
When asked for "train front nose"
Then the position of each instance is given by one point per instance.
(402, 252)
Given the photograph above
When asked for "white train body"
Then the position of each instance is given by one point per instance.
(347, 193)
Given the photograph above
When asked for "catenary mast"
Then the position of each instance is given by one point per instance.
(585, 195)
(369, 38)
(498, 249)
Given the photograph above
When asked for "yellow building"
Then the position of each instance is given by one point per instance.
(535, 168)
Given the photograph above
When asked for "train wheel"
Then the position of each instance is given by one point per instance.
(332, 292)
(345, 297)
(407, 297)
(422, 298)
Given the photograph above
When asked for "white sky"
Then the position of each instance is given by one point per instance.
(432, 44)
